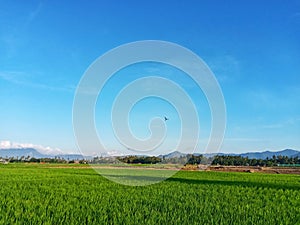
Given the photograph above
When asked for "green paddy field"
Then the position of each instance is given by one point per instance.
(53, 194)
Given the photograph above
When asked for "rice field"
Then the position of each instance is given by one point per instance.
(47, 194)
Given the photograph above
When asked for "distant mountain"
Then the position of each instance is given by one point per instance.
(250, 155)
(31, 152)
(74, 157)
(296, 155)
(178, 154)
(19, 152)
(175, 154)
(209, 155)
(269, 154)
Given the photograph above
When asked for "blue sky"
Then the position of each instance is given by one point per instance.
(252, 47)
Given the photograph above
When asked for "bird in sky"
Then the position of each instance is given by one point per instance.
(166, 118)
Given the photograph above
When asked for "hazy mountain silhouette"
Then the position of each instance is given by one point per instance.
(31, 152)
(19, 152)
(269, 154)
(250, 155)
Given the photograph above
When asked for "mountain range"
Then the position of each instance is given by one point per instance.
(270, 154)
(250, 155)
(32, 152)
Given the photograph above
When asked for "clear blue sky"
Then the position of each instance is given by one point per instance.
(252, 47)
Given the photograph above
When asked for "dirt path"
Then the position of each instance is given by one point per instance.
(248, 169)
(255, 169)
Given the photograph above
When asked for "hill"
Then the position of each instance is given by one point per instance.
(19, 152)
(34, 153)
(250, 155)
(175, 154)
(270, 154)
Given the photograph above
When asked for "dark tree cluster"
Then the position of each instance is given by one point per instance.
(193, 159)
(140, 159)
(227, 160)
(104, 160)
(175, 160)
(29, 159)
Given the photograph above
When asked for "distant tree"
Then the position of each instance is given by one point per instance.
(132, 159)
(34, 160)
(192, 159)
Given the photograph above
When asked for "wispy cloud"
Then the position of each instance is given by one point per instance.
(296, 15)
(226, 68)
(13, 35)
(262, 125)
(282, 124)
(241, 139)
(34, 13)
(23, 79)
(266, 98)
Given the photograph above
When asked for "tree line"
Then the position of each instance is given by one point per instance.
(227, 160)
(29, 159)
(189, 159)
(224, 160)
(133, 159)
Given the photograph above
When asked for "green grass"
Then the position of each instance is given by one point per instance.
(37, 194)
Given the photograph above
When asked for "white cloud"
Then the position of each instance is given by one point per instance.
(114, 153)
(42, 149)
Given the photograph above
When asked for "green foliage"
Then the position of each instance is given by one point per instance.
(192, 159)
(228, 160)
(37, 194)
(139, 159)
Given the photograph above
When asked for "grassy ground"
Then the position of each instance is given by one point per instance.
(43, 194)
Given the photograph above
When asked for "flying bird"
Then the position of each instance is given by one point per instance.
(166, 118)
